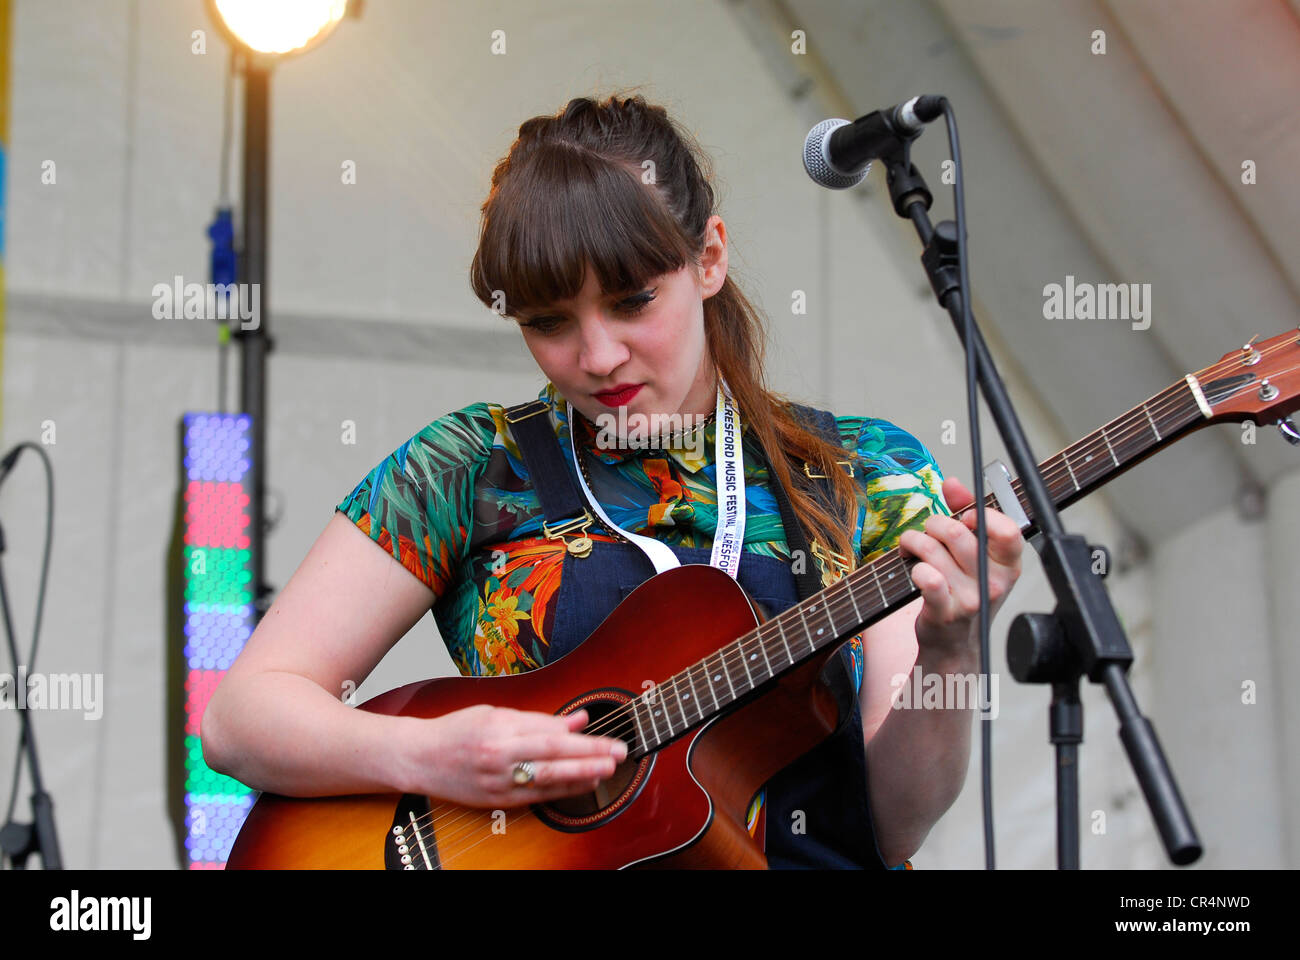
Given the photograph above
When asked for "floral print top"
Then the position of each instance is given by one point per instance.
(453, 504)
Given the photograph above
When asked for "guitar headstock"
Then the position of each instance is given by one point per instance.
(1259, 382)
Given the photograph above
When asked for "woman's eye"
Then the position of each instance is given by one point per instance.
(634, 305)
(629, 307)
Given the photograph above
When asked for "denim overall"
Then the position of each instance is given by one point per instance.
(829, 783)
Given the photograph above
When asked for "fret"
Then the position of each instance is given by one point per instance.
(722, 664)
(848, 586)
(781, 629)
(712, 689)
(812, 648)
(740, 648)
(681, 704)
(826, 614)
(652, 696)
(695, 695)
(640, 729)
(1152, 422)
(830, 617)
(1109, 447)
(762, 645)
(664, 713)
(875, 572)
(1073, 479)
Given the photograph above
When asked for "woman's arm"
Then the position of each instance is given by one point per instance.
(917, 756)
(277, 720)
(916, 759)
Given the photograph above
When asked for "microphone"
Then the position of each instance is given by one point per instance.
(838, 153)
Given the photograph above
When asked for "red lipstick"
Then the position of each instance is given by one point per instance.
(620, 395)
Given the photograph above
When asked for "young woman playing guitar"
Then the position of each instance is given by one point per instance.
(600, 241)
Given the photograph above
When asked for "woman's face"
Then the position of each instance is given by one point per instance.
(653, 337)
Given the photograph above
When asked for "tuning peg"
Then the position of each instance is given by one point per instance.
(1289, 431)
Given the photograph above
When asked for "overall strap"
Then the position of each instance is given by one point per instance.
(548, 469)
(562, 501)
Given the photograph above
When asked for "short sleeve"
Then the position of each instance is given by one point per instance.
(418, 502)
(900, 483)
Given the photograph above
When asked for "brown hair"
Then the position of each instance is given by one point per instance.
(571, 193)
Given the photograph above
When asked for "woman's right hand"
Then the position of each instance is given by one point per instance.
(469, 756)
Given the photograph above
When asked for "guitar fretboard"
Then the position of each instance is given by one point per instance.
(863, 596)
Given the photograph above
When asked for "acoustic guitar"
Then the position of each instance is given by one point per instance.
(736, 695)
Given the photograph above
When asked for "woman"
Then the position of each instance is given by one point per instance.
(599, 240)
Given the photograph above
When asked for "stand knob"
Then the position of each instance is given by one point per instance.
(1036, 648)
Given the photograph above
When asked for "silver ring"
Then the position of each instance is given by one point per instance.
(524, 773)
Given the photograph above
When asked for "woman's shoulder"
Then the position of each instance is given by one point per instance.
(418, 501)
(457, 440)
(457, 444)
(884, 444)
(895, 470)
(460, 440)
(899, 481)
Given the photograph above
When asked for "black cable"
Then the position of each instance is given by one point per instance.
(977, 486)
(40, 606)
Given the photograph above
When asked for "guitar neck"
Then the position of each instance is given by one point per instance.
(875, 590)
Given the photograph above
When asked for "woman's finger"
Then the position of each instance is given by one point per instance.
(925, 547)
(1006, 543)
(956, 494)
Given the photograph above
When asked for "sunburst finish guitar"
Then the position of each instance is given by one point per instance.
(737, 696)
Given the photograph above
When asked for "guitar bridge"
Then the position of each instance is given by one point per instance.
(411, 844)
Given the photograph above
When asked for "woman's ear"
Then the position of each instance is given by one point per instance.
(713, 262)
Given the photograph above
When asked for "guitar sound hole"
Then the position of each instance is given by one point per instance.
(607, 717)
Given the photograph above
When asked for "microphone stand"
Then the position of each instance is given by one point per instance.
(1083, 634)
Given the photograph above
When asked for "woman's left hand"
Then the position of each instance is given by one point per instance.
(947, 575)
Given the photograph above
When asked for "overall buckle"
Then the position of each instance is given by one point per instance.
(581, 545)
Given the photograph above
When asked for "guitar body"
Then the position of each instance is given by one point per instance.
(682, 805)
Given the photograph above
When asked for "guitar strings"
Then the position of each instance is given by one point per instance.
(450, 840)
(1165, 401)
(1053, 474)
(1164, 405)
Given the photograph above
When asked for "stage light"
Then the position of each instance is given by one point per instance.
(278, 27)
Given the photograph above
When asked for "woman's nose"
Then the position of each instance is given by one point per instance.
(600, 352)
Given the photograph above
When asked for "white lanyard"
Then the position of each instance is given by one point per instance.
(730, 466)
